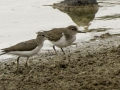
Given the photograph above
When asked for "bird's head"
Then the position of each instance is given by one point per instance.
(74, 30)
(41, 35)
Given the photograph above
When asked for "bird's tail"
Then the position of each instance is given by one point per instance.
(3, 52)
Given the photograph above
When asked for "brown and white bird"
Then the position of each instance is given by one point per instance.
(26, 48)
(62, 37)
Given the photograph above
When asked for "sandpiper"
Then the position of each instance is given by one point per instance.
(26, 48)
(62, 37)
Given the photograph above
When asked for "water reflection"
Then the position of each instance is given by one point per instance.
(109, 17)
(103, 36)
(81, 17)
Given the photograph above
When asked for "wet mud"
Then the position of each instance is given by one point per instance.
(92, 65)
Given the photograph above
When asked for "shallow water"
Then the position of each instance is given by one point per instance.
(20, 20)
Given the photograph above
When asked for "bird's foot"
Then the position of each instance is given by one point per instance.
(28, 67)
(18, 71)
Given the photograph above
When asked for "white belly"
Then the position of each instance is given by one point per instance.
(26, 53)
(63, 42)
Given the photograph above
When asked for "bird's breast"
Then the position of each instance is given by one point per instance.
(63, 42)
(27, 53)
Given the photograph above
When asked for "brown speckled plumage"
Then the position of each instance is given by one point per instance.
(26, 48)
(56, 33)
(23, 46)
(62, 37)
(26, 45)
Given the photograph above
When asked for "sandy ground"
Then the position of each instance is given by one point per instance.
(93, 65)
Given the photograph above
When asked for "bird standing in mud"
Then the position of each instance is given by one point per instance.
(26, 48)
(62, 37)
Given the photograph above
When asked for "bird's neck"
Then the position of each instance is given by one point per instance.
(69, 36)
(40, 41)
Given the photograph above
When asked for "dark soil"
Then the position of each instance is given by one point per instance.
(92, 65)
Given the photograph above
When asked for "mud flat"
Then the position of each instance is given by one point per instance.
(93, 65)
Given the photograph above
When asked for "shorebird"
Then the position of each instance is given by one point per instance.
(26, 48)
(62, 37)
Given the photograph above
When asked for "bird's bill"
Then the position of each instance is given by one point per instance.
(81, 32)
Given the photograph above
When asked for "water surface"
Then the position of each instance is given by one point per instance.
(20, 20)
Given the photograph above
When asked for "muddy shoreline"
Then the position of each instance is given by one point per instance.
(92, 65)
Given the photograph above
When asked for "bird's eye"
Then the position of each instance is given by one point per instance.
(43, 35)
(72, 29)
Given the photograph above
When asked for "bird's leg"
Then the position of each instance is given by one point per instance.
(63, 51)
(55, 50)
(69, 49)
(26, 64)
(18, 62)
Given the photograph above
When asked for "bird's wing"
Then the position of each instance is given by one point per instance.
(55, 34)
(22, 46)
